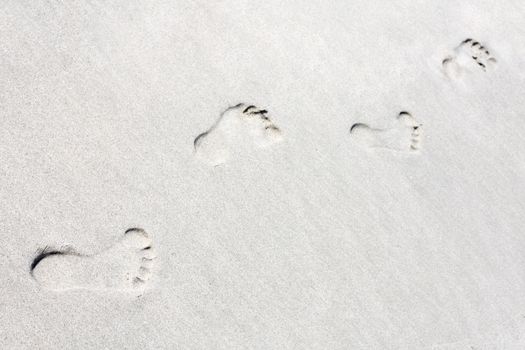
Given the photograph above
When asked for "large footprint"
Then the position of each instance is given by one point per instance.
(404, 135)
(235, 126)
(125, 267)
(469, 56)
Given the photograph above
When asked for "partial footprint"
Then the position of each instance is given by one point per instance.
(404, 135)
(469, 56)
(126, 266)
(236, 126)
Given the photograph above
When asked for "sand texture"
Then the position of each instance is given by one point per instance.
(262, 174)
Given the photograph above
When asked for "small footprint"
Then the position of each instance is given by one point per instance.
(469, 56)
(236, 125)
(404, 135)
(126, 266)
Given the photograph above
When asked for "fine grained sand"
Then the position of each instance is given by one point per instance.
(319, 241)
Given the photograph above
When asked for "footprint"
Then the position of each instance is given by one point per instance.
(469, 56)
(404, 135)
(125, 267)
(236, 127)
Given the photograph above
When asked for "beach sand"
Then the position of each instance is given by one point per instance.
(290, 175)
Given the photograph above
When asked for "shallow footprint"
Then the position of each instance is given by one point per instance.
(404, 135)
(469, 56)
(125, 267)
(236, 125)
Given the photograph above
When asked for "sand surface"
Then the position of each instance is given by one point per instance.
(280, 228)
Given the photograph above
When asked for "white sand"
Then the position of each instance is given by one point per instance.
(315, 242)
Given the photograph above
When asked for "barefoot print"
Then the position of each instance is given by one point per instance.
(236, 125)
(404, 135)
(469, 56)
(126, 266)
